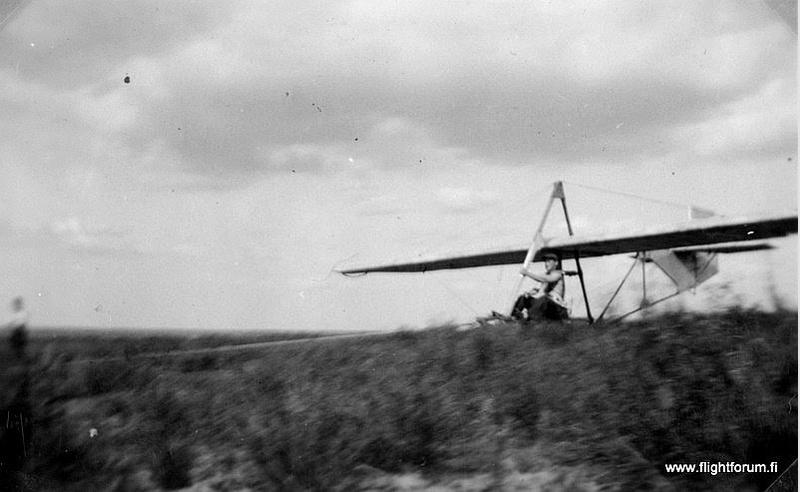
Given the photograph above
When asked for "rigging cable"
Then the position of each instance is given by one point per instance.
(631, 195)
(456, 296)
(488, 226)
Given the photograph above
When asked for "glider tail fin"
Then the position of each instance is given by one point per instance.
(686, 269)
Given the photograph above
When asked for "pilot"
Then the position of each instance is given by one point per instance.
(546, 300)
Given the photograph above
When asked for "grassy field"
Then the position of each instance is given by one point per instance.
(553, 407)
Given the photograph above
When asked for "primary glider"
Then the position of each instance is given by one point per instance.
(685, 252)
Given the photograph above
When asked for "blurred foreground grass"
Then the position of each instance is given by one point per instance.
(603, 407)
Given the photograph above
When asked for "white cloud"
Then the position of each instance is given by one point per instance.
(383, 205)
(298, 158)
(464, 199)
(760, 123)
(92, 238)
(421, 84)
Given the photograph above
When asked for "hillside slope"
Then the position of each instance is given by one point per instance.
(509, 407)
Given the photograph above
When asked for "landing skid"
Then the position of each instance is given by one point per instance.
(492, 319)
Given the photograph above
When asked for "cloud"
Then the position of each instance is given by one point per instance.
(82, 236)
(73, 234)
(464, 200)
(91, 238)
(759, 124)
(227, 93)
(575, 84)
(383, 205)
(72, 44)
(298, 158)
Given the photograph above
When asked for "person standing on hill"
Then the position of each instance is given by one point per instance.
(15, 407)
(18, 326)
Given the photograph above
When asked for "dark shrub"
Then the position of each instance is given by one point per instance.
(204, 362)
(405, 335)
(520, 401)
(483, 350)
(553, 333)
(380, 452)
(105, 377)
(419, 430)
(172, 466)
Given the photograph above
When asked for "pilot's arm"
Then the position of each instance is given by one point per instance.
(553, 276)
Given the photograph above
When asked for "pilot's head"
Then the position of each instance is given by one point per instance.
(550, 261)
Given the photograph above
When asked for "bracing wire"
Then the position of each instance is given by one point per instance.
(519, 210)
(631, 195)
(520, 207)
(455, 295)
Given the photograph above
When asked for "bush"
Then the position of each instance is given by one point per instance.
(198, 363)
(172, 465)
(552, 333)
(59, 452)
(483, 350)
(104, 377)
(519, 399)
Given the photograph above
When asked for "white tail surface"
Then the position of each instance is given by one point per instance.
(686, 269)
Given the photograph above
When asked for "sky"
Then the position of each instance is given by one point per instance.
(207, 165)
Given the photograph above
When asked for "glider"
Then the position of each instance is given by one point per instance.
(685, 252)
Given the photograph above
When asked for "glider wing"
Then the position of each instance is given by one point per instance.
(692, 234)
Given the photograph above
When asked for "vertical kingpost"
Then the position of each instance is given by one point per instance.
(536, 243)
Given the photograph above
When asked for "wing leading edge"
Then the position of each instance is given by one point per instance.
(712, 230)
